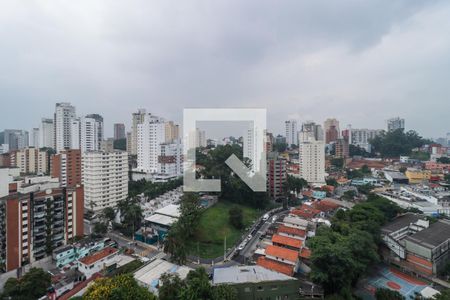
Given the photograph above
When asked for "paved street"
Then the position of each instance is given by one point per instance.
(246, 253)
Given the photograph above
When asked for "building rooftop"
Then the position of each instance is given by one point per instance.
(282, 253)
(432, 236)
(275, 266)
(295, 221)
(287, 241)
(305, 253)
(291, 231)
(305, 211)
(246, 274)
(171, 210)
(91, 259)
(161, 219)
(400, 222)
(150, 273)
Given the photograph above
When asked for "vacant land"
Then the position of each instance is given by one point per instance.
(214, 227)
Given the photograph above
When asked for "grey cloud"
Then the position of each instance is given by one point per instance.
(360, 61)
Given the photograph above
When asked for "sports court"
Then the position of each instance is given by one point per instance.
(395, 280)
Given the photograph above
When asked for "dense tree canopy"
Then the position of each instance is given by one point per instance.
(233, 188)
(344, 252)
(150, 189)
(130, 215)
(32, 285)
(387, 294)
(176, 240)
(397, 142)
(236, 217)
(120, 287)
(195, 286)
(443, 160)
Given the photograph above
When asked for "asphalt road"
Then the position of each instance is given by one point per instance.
(246, 254)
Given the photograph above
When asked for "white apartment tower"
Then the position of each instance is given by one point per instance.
(291, 132)
(46, 133)
(91, 134)
(312, 156)
(138, 118)
(75, 134)
(64, 115)
(197, 139)
(170, 160)
(105, 179)
(150, 135)
(34, 138)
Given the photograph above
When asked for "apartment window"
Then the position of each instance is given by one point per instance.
(260, 289)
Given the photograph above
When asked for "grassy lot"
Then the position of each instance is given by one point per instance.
(214, 226)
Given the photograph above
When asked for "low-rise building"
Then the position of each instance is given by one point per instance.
(417, 246)
(96, 262)
(418, 176)
(149, 275)
(256, 282)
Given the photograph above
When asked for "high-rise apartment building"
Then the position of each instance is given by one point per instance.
(170, 159)
(138, 118)
(16, 139)
(30, 161)
(312, 154)
(129, 142)
(46, 133)
(150, 135)
(34, 138)
(75, 134)
(99, 128)
(331, 122)
(105, 179)
(291, 132)
(269, 142)
(276, 175)
(66, 165)
(36, 219)
(197, 139)
(172, 131)
(395, 123)
(342, 148)
(91, 133)
(362, 137)
(331, 134)
(311, 129)
(107, 145)
(119, 131)
(63, 127)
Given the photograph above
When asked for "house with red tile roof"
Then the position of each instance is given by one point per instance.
(305, 211)
(305, 253)
(94, 263)
(282, 255)
(275, 266)
(287, 242)
(292, 232)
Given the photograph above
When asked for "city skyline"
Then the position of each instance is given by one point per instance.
(296, 59)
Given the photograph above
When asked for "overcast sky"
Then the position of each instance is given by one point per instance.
(359, 61)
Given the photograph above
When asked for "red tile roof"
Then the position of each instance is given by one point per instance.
(305, 211)
(283, 253)
(305, 253)
(287, 241)
(275, 266)
(89, 260)
(291, 231)
(325, 205)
